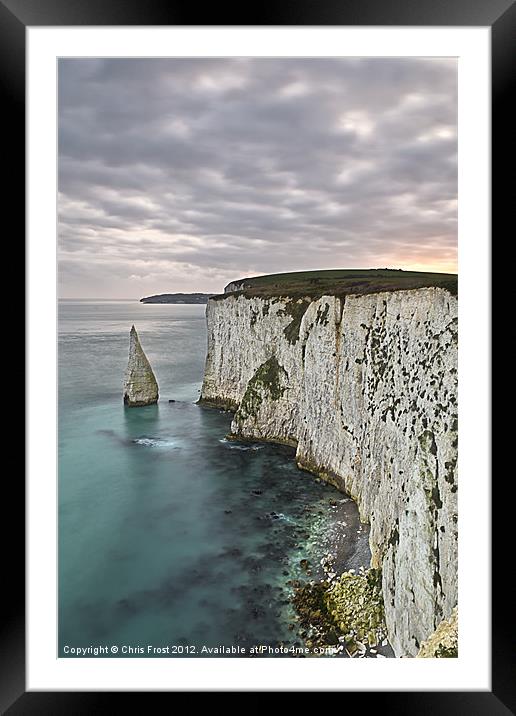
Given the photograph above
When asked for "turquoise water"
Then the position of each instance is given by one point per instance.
(168, 534)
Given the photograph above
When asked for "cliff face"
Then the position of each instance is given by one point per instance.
(366, 388)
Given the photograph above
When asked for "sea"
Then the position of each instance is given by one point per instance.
(172, 540)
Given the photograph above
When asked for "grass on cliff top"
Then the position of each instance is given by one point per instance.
(342, 282)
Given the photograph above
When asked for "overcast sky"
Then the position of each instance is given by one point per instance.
(182, 175)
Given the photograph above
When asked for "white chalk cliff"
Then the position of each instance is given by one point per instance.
(365, 387)
(140, 385)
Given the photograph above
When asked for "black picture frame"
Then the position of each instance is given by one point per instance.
(15, 17)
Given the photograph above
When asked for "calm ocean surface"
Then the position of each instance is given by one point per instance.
(162, 540)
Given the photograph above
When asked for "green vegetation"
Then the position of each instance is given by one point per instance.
(446, 652)
(356, 604)
(348, 609)
(341, 282)
(266, 380)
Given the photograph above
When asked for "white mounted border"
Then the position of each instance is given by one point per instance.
(471, 671)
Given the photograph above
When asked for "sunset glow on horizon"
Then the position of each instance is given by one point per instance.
(181, 175)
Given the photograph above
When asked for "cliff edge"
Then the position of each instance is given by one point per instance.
(365, 387)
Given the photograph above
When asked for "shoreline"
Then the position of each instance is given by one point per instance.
(320, 628)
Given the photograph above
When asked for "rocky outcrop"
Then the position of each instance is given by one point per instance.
(365, 387)
(444, 642)
(140, 385)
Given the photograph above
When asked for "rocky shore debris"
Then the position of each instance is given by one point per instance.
(356, 604)
(140, 384)
(346, 611)
(444, 642)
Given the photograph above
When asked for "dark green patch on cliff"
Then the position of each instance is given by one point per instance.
(322, 315)
(266, 381)
(296, 310)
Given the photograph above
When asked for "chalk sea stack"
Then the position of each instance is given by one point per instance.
(140, 385)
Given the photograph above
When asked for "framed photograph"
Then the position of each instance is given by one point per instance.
(258, 352)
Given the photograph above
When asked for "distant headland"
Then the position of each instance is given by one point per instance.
(177, 298)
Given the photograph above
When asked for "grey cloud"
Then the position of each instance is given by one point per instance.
(179, 174)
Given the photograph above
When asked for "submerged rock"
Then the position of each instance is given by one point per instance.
(140, 385)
